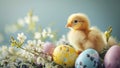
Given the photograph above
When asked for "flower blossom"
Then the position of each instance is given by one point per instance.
(62, 40)
(44, 33)
(21, 37)
(37, 35)
(21, 22)
(28, 19)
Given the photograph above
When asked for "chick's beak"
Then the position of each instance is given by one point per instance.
(69, 25)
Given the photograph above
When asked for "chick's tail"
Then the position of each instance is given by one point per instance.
(112, 41)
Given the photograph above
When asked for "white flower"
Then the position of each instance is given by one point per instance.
(29, 19)
(4, 51)
(3, 62)
(49, 58)
(21, 37)
(4, 48)
(31, 43)
(21, 22)
(39, 43)
(51, 35)
(49, 30)
(62, 40)
(44, 33)
(29, 56)
(40, 60)
(11, 50)
(39, 46)
(35, 19)
(37, 35)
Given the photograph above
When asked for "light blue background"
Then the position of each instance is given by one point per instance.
(102, 13)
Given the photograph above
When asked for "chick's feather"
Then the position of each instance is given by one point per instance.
(80, 41)
(95, 37)
(82, 37)
(76, 39)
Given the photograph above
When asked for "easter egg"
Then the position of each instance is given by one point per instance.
(112, 57)
(65, 55)
(88, 59)
(48, 48)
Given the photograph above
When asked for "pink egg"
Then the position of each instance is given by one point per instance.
(48, 48)
(112, 57)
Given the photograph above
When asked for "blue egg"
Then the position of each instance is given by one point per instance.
(88, 59)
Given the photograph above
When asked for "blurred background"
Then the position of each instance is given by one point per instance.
(102, 13)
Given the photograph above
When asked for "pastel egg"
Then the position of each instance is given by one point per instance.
(48, 48)
(65, 55)
(88, 59)
(112, 57)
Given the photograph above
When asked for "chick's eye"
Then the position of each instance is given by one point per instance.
(75, 21)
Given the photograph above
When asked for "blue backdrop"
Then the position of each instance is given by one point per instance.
(102, 13)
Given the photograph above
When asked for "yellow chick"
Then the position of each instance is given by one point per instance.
(81, 36)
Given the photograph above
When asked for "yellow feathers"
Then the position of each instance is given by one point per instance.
(78, 21)
(81, 36)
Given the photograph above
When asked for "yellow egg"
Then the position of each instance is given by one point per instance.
(65, 55)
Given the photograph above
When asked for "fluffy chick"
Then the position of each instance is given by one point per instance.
(81, 36)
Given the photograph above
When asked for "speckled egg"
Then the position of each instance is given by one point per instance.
(65, 55)
(48, 48)
(112, 57)
(88, 59)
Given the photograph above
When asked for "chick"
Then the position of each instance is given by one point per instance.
(81, 36)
